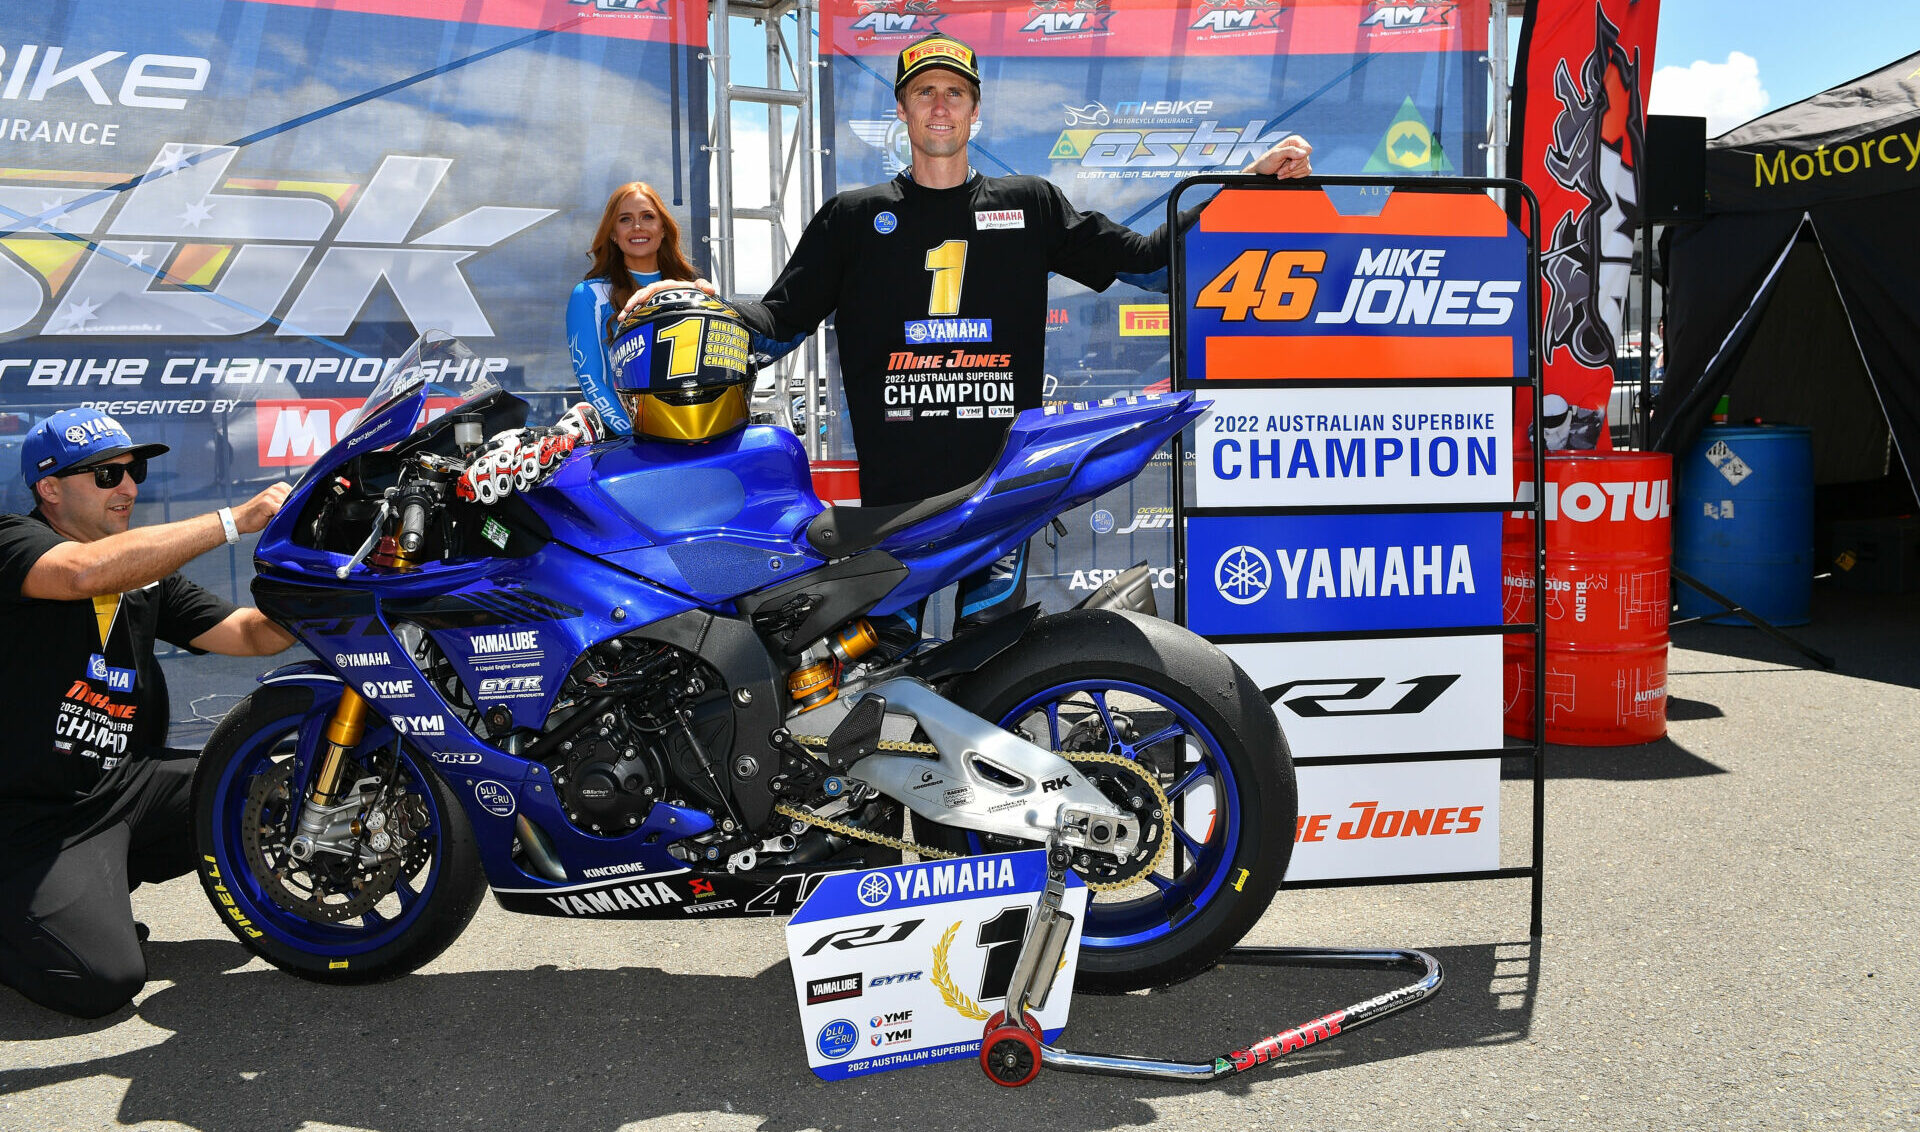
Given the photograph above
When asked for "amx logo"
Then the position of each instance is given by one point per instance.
(897, 17)
(264, 240)
(1405, 17)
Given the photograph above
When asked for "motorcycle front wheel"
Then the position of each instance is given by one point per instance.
(358, 916)
(1178, 709)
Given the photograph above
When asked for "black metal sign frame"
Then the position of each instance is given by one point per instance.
(1534, 751)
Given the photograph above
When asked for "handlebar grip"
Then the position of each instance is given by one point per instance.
(413, 527)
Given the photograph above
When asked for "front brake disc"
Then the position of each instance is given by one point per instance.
(326, 890)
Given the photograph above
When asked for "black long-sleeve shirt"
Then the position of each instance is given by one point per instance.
(941, 297)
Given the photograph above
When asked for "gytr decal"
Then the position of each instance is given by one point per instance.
(261, 241)
(509, 687)
(1344, 573)
(1420, 693)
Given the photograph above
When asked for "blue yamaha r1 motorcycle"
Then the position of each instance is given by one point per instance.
(638, 689)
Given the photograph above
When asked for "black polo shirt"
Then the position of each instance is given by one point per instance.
(84, 698)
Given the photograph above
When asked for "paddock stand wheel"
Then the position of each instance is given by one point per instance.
(1009, 1052)
(1279, 1045)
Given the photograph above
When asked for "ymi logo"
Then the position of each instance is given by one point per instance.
(1242, 575)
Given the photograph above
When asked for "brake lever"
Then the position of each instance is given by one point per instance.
(366, 548)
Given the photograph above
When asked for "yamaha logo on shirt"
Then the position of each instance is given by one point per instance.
(116, 679)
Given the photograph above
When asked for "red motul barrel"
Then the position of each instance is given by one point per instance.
(1609, 550)
(836, 481)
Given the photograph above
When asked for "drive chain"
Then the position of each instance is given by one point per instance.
(928, 852)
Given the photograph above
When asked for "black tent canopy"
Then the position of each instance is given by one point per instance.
(1798, 296)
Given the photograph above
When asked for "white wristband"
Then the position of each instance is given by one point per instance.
(227, 524)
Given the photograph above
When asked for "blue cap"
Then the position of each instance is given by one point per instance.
(75, 438)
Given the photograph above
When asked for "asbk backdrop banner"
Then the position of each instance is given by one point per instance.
(1115, 101)
(1579, 99)
(219, 219)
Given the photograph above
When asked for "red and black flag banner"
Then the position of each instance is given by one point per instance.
(1579, 113)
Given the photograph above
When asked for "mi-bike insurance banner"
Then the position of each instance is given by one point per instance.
(220, 218)
(1115, 101)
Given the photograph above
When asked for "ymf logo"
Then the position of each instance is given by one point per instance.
(175, 256)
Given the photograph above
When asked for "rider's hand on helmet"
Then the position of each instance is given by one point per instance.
(1293, 157)
(253, 515)
(646, 294)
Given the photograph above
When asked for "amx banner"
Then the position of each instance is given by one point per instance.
(220, 218)
(1115, 101)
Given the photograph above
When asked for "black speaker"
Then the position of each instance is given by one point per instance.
(1675, 174)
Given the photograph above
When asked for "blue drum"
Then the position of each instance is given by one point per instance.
(1744, 522)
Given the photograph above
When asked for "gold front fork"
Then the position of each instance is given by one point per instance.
(344, 731)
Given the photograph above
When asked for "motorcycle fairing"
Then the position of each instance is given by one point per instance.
(1054, 459)
(712, 520)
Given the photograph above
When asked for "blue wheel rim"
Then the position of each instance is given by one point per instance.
(358, 936)
(1202, 866)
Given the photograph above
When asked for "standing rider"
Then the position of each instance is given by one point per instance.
(939, 281)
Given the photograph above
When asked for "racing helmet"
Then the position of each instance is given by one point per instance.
(681, 364)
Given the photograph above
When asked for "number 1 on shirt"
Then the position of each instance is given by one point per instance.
(948, 262)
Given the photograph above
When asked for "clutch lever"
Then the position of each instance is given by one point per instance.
(366, 548)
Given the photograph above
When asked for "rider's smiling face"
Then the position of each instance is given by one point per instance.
(939, 108)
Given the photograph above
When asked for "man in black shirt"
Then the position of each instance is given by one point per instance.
(937, 281)
(91, 801)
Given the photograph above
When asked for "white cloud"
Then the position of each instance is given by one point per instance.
(1725, 94)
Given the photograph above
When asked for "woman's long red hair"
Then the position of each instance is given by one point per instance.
(610, 263)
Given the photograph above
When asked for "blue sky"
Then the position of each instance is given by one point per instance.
(1732, 60)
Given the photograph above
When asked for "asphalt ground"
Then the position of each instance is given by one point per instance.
(1730, 924)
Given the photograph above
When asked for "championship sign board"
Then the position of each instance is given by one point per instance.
(903, 966)
(1361, 349)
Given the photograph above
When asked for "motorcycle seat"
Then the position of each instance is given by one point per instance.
(840, 531)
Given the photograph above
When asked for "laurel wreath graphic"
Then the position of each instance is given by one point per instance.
(951, 994)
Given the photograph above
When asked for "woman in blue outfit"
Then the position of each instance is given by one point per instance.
(637, 243)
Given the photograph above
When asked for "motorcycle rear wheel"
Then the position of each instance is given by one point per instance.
(323, 920)
(1183, 708)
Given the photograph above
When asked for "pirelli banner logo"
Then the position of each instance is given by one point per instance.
(1344, 534)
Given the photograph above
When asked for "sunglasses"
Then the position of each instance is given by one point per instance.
(106, 477)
